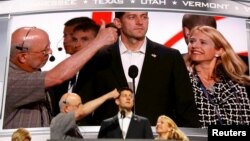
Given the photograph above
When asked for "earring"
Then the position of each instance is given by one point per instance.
(217, 55)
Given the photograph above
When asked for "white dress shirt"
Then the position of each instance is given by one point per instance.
(71, 84)
(124, 123)
(129, 58)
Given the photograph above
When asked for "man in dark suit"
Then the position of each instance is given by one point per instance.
(162, 85)
(126, 124)
(78, 32)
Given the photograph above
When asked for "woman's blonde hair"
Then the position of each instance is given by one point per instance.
(20, 135)
(229, 61)
(175, 133)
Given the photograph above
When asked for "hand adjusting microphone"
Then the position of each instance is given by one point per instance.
(133, 72)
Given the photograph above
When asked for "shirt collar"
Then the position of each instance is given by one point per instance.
(129, 115)
(123, 49)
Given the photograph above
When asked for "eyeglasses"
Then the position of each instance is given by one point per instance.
(46, 51)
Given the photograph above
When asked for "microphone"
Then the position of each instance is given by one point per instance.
(52, 58)
(60, 48)
(122, 113)
(57, 45)
(133, 72)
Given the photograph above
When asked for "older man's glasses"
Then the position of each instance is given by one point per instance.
(46, 51)
(25, 49)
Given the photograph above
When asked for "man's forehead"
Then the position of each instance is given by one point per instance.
(136, 12)
(126, 92)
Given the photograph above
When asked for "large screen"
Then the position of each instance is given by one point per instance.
(165, 26)
(170, 33)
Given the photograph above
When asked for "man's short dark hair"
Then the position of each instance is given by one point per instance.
(78, 20)
(124, 89)
(87, 26)
(119, 14)
(120, 90)
(191, 20)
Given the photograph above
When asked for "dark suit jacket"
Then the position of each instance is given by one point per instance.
(164, 86)
(139, 128)
(57, 92)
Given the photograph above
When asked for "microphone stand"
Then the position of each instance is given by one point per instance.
(123, 115)
(133, 81)
(133, 72)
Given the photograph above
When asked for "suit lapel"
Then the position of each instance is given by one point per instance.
(151, 57)
(117, 67)
(132, 127)
(150, 60)
(118, 130)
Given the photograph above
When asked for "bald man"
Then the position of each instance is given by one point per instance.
(64, 126)
(26, 101)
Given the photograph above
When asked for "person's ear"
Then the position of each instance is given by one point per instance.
(219, 52)
(186, 31)
(117, 23)
(66, 108)
(117, 102)
(22, 57)
(170, 129)
(186, 34)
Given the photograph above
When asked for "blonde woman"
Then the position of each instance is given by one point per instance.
(167, 129)
(218, 79)
(21, 134)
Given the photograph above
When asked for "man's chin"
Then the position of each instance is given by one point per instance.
(140, 38)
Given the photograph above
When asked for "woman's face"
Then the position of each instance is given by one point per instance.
(26, 139)
(162, 126)
(201, 48)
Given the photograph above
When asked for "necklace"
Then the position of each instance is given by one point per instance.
(208, 83)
